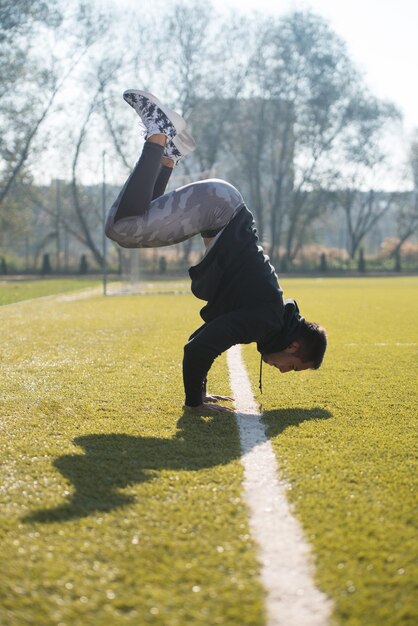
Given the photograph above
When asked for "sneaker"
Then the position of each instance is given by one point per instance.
(156, 118)
(184, 142)
(171, 152)
(182, 145)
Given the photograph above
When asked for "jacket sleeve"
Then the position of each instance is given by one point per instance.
(207, 343)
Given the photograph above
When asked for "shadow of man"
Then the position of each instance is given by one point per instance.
(112, 462)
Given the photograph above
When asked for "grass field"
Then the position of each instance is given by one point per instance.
(119, 508)
(17, 290)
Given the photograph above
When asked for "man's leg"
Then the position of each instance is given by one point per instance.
(138, 191)
(167, 136)
(206, 205)
(167, 166)
(141, 217)
(148, 181)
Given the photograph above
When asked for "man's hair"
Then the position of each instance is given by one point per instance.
(313, 343)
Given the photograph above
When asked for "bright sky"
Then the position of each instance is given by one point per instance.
(381, 36)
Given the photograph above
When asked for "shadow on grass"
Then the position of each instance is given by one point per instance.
(112, 462)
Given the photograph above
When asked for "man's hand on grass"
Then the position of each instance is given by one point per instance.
(215, 399)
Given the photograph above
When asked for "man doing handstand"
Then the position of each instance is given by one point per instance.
(244, 299)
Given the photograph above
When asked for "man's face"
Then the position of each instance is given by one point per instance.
(286, 361)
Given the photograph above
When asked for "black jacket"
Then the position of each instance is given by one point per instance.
(244, 303)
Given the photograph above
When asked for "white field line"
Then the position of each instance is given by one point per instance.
(292, 598)
(68, 296)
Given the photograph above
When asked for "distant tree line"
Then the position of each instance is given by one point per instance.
(275, 103)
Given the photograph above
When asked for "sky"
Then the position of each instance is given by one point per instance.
(381, 37)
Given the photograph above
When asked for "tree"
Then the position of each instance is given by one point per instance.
(331, 118)
(18, 16)
(20, 20)
(275, 105)
(259, 138)
(32, 78)
(407, 205)
(362, 212)
(407, 218)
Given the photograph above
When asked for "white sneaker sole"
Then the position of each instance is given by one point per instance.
(184, 142)
(183, 139)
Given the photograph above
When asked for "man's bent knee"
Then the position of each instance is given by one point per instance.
(223, 190)
(115, 232)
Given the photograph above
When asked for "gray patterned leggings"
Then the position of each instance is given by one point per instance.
(141, 217)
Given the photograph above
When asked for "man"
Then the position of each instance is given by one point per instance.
(244, 300)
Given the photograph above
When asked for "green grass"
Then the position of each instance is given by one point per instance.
(17, 290)
(119, 508)
(345, 437)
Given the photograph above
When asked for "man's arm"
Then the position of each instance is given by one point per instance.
(207, 344)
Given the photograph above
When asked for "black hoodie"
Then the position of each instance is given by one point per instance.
(244, 303)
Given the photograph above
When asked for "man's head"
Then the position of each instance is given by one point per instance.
(305, 352)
